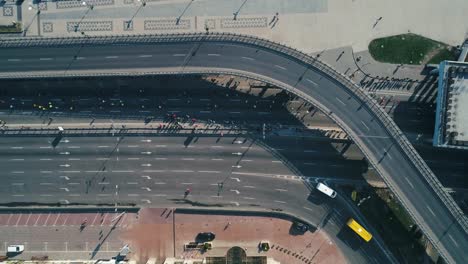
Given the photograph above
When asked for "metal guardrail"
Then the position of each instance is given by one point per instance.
(371, 104)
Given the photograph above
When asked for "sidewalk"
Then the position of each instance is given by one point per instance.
(310, 26)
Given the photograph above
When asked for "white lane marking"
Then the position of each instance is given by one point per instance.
(17, 172)
(73, 183)
(179, 55)
(74, 159)
(103, 146)
(188, 159)
(249, 186)
(281, 67)
(16, 159)
(132, 183)
(17, 183)
(237, 179)
(187, 183)
(453, 240)
(112, 57)
(307, 208)
(45, 59)
(160, 158)
(45, 183)
(70, 171)
(235, 203)
(132, 146)
(159, 195)
(281, 190)
(45, 159)
(182, 171)
(364, 124)
(276, 201)
(236, 191)
(410, 184)
(430, 210)
(122, 171)
(14, 59)
(102, 159)
(312, 82)
(103, 183)
(80, 58)
(249, 198)
(217, 159)
(209, 171)
(74, 147)
(159, 183)
(146, 165)
(161, 146)
(340, 101)
(46, 195)
(216, 196)
(44, 171)
(388, 154)
(133, 158)
(145, 56)
(104, 194)
(49, 147)
(247, 160)
(247, 58)
(276, 161)
(217, 146)
(17, 195)
(213, 54)
(154, 170)
(92, 171)
(17, 147)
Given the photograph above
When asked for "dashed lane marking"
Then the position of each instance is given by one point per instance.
(145, 56)
(430, 210)
(111, 57)
(281, 190)
(209, 171)
(408, 181)
(247, 58)
(364, 124)
(45, 59)
(312, 82)
(340, 101)
(213, 54)
(280, 67)
(276, 201)
(453, 240)
(14, 59)
(249, 186)
(179, 55)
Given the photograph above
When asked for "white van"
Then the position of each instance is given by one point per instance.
(326, 190)
(15, 248)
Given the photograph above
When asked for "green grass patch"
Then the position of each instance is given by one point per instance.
(444, 54)
(393, 224)
(13, 28)
(406, 49)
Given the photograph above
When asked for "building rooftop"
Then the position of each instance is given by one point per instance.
(452, 106)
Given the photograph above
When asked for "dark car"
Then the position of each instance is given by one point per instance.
(205, 237)
(301, 227)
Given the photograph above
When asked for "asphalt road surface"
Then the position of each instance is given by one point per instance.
(158, 170)
(411, 188)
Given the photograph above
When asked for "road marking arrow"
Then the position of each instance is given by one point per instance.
(146, 200)
(146, 140)
(65, 177)
(237, 179)
(238, 141)
(146, 188)
(65, 165)
(236, 191)
(65, 201)
(237, 166)
(146, 165)
(237, 153)
(65, 153)
(146, 152)
(66, 141)
(65, 189)
(236, 203)
(146, 176)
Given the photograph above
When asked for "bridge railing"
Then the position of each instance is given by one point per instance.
(371, 104)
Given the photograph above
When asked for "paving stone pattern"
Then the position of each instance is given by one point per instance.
(47, 27)
(89, 26)
(251, 22)
(7, 11)
(43, 6)
(210, 23)
(73, 4)
(167, 24)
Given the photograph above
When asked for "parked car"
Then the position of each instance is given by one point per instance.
(15, 249)
(205, 237)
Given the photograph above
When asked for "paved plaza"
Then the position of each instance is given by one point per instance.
(311, 26)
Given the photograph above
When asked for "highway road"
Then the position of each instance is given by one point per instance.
(368, 132)
(157, 170)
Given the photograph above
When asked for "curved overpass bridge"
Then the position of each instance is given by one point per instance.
(372, 130)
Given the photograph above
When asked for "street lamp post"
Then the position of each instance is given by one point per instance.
(38, 12)
(129, 22)
(90, 7)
